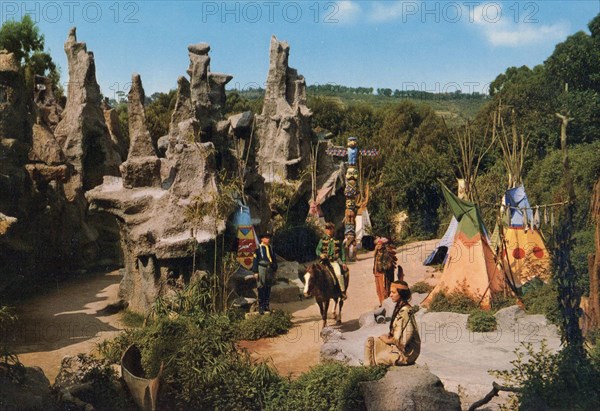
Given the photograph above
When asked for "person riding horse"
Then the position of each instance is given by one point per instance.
(331, 255)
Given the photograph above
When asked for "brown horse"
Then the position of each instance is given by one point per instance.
(319, 282)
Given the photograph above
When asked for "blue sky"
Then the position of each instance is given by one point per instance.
(431, 46)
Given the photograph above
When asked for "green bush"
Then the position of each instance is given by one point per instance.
(421, 287)
(547, 380)
(583, 247)
(481, 321)
(203, 368)
(593, 339)
(262, 326)
(102, 392)
(543, 300)
(458, 301)
(329, 386)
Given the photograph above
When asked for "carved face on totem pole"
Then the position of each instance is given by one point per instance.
(352, 173)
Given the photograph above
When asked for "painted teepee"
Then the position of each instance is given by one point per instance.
(471, 264)
(521, 242)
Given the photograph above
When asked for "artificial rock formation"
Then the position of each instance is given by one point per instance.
(47, 158)
(82, 132)
(283, 129)
(153, 197)
(119, 140)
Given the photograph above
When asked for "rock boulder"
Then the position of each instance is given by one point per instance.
(410, 388)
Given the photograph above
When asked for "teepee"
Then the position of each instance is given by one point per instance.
(440, 254)
(471, 265)
(521, 243)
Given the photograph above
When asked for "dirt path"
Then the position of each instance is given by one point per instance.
(64, 321)
(298, 351)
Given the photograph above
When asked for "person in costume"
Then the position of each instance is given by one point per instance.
(264, 267)
(384, 265)
(402, 344)
(331, 254)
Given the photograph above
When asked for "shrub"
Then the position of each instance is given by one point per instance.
(583, 247)
(329, 386)
(543, 300)
(560, 381)
(102, 390)
(261, 326)
(593, 339)
(203, 369)
(481, 321)
(458, 301)
(421, 287)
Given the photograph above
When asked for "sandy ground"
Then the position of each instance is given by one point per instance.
(298, 351)
(64, 321)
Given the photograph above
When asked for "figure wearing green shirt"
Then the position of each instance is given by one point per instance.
(331, 254)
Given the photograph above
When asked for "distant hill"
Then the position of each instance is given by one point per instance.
(451, 106)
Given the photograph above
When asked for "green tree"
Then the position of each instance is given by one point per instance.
(328, 113)
(413, 142)
(158, 113)
(24, 39)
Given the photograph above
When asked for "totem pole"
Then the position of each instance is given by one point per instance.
(352, 190)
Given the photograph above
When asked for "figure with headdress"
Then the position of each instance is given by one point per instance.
(384, 265)
(402, 344)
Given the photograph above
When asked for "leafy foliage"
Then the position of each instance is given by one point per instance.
(203, 368)
(263, 326)
(238, 103)
(102, 392)
(543, 300)
(421, 287)
(158, 113)
(329, 386)
(23, 38)
(481, 321)
(460, 300)
(547, 380)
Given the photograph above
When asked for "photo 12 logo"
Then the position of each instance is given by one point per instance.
(71, 11)
(270, 11)
(469, 11)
